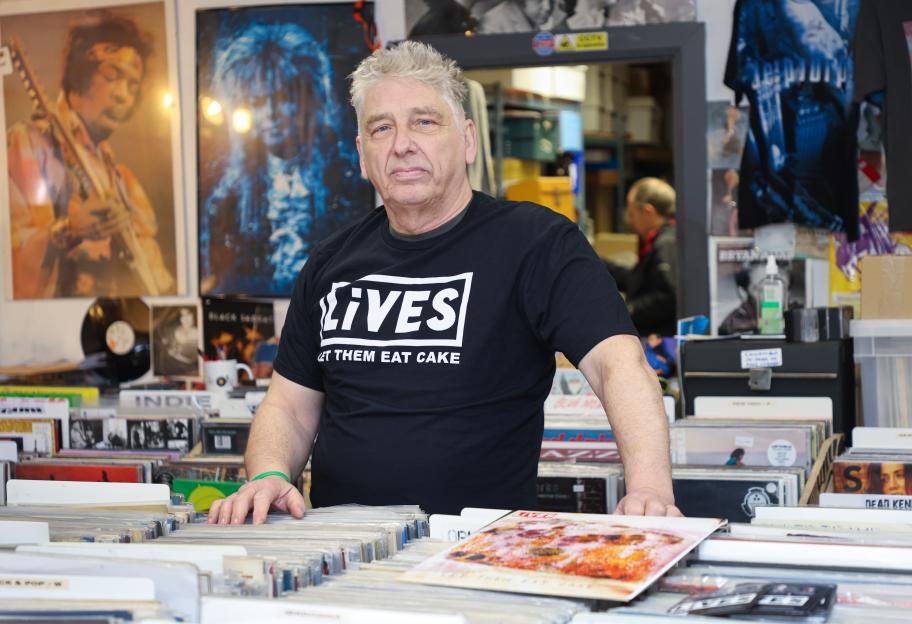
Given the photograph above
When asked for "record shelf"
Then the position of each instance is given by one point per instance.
(821, 477)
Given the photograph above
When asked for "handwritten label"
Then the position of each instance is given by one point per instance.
(761, 358)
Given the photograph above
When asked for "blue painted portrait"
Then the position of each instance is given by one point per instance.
(278, 167)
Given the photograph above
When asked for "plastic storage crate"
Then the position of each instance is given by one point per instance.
(883, 350)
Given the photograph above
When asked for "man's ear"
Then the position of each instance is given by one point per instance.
(360, 156)
(470, 132)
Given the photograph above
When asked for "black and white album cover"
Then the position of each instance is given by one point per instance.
(175, 341)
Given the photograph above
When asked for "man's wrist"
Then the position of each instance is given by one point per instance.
(271, 473)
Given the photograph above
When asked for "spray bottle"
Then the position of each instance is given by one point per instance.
(772, 301)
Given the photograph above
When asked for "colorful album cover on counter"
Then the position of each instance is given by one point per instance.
(277, 164)
(573, 555)
(242, 330)
(91, 151)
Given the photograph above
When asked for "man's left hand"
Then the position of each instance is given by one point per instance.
(647, 502)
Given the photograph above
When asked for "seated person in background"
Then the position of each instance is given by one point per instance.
(651, 286)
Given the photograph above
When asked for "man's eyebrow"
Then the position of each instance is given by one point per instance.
(377, 117)
(426, 110)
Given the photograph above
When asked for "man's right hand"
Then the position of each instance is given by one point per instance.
(97, 217)
(258, 496)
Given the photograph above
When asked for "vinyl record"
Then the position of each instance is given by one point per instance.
(118, 330)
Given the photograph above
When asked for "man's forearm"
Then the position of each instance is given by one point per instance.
(630, 392)
(637, 415)
(279, 440)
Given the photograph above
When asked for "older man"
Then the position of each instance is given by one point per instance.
(420, 341)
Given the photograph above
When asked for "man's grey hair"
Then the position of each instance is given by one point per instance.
(418, 61)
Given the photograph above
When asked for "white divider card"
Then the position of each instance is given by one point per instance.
(209, 558)
(484, 514)
(218, 610)
(17, 532)
(453, 528)
(830, 514)
(176, 585)
(867, 501)
(9, 451)
(780, 408)
(758, 551)
(29, 492)
(71, 587)
(882, 438)
(195, 400)
(39, 407)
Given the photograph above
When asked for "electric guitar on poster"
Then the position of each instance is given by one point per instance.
(131, 251)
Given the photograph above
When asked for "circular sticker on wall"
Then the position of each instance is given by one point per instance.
(120, 337)
(781, 453)
(543, 43)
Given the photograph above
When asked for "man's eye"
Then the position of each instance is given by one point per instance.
(426, 123)
(380, 130)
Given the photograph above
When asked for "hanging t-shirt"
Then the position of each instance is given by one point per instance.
(791, 59)
(436, 355)
(883, 62)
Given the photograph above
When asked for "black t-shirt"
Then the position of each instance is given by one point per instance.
(792, 61)
(883, 62)
(436, 355)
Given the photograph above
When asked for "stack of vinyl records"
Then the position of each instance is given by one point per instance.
(728, 467)
(579, 487)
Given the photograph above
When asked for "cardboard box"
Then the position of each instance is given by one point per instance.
(620, 248)
(553, 192)
(886, 287)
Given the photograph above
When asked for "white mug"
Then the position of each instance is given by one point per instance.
(222, 375)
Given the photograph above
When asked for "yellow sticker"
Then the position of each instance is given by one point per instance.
(592, 41)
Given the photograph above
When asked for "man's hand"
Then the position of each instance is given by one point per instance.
(97, 217)
(258, 496)
(646, 502)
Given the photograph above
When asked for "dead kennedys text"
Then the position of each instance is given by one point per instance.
(389, 356)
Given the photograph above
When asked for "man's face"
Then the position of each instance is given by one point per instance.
(275, 118)
(635, 216)
(410, 146)
(893, 478)
(112, 93)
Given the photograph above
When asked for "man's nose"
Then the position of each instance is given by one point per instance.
(121, 92)
(403, 143)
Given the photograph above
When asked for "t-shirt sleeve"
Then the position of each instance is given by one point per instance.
(733, 67)
(569, 298)
(870, 70)
(297, 357)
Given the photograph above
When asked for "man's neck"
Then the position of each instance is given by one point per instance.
(413, 220)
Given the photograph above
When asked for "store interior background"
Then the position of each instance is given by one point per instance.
(34, 332)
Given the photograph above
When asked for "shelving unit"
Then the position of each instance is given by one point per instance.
(501, 99)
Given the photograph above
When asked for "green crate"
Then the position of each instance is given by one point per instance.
(530, 136)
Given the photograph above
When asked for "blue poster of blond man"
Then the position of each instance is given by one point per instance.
(278, 169)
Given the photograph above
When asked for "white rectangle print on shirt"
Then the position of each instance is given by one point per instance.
(388, 310)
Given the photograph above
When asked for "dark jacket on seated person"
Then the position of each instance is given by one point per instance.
(651, 286)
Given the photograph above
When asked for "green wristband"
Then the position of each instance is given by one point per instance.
(271, 473)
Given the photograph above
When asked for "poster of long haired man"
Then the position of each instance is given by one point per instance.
(88, 116)
(278, 168)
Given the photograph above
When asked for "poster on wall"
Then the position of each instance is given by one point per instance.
(277, 164)
(726, 129)
(89, 213)
(442, 17)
